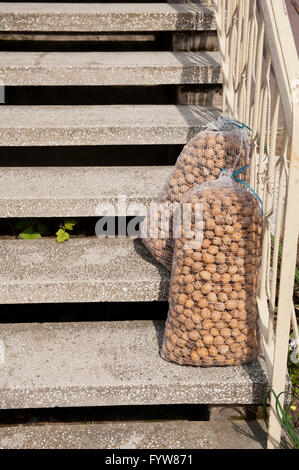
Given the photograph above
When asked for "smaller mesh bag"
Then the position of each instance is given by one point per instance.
(221, 144)
(212, 317)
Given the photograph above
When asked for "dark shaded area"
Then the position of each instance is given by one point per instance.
(82, 41)
(77, 312)
(164, 281)
(90, 95)
(108, 95)
(256, 430)
(85, 226)
(103, 413)
(92, 155)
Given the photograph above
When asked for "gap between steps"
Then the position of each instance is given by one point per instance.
(102, 414)
(78, 312)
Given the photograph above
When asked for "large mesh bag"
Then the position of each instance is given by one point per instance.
(212, 317)
(221, 144)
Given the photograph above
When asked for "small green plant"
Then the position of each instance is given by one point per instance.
(30, 229)
(286, 415)
(62, 234)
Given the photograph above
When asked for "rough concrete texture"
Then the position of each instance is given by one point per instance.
(102, 125)
(82, 191)
(78, 191)
(109, 68)
(227, 412)
(111, 363)
(138, 435)
(80, 270)
(92, 17)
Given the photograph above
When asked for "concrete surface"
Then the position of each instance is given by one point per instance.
(227, 412)
(138, 435)
(111, 363)
(79, 270)
(82, 191)
(109, 68)
(104, 17)
(77, 191)
(102, 125)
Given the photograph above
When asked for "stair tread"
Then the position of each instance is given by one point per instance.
(137, 435)
(81, 270)
(109, 364)
(102, 125)
(77, 191)
(109, 68)
(94, 17)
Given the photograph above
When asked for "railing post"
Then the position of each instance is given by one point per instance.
(286, 285)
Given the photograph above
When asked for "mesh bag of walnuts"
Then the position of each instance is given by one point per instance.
(212, 317)
(221, 144)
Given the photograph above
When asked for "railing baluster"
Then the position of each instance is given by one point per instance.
(255, 109)
(268, 195)
(278, 227)
(244, 58)
(238, 59)
(251, 50)
(258, 79)
(232, 54)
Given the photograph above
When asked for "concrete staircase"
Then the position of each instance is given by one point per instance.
(114, 363)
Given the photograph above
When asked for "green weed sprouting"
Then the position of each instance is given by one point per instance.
(62, 234)
(286, 416)
(30, 229)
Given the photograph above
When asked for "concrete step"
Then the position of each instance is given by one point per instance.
(79, 270)
(111, 364)
(95, 17)
(137, 435)
(102, 125)
(109, 68)
(78, 191)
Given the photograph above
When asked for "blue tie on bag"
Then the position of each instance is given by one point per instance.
(235, 177)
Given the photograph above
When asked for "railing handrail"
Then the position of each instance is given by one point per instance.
(284, 56)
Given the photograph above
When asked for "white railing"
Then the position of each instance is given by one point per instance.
(261, 89)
